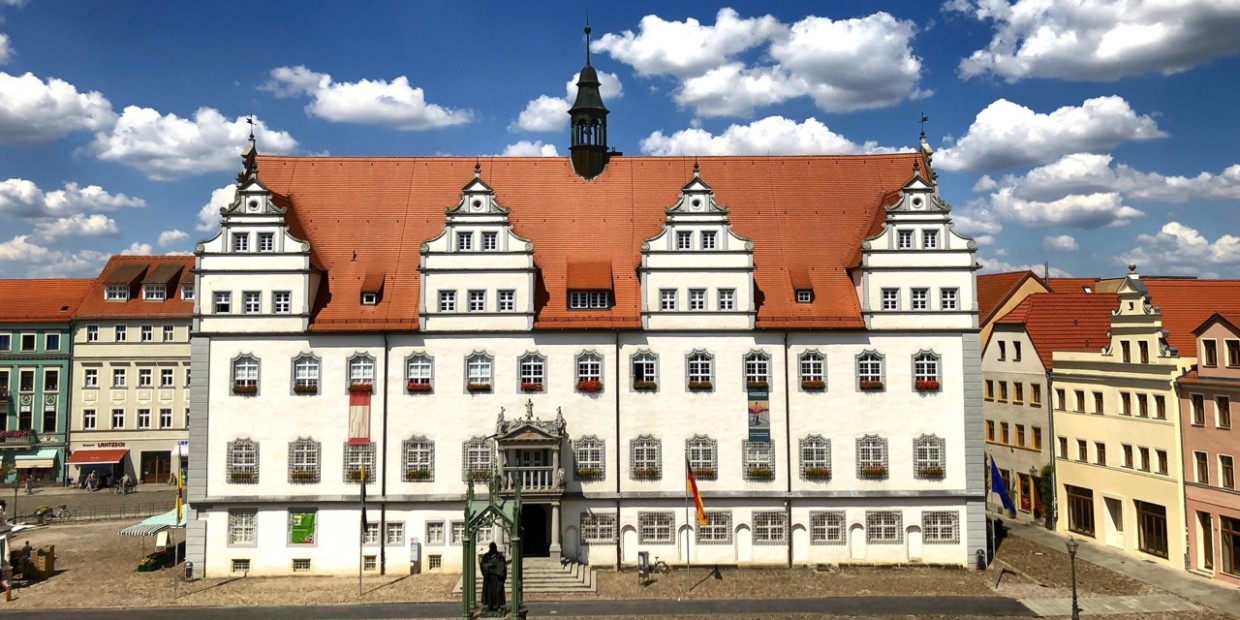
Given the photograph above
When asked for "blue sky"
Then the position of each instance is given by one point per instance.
(1089, 137)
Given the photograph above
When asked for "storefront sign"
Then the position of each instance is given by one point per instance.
(759, 414)
(103, 444)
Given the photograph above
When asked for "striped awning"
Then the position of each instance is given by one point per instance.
(45, 458)
(158, 523)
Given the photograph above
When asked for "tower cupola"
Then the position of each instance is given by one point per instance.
(588, 118)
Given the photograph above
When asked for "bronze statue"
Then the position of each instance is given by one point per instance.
(494, 571)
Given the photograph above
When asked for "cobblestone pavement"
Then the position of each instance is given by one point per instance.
(102, 504)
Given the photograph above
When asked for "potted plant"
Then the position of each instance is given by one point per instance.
(926, 385)
(816, 473)
(700, 386)
(813, 385)
(589, 473)
(243, 477)
(17, 436)
(246, 389)
(873, 472)
(361, 388)
(705, 473)
(477, 388)
(531, 386)
(757, 385)
(306, 388)
(590, 385)
(930, 471)
(303, 475)
(646, 473)
(870, 385)
(645, 386)
(418, 388)
(417, 474)
(760, 471)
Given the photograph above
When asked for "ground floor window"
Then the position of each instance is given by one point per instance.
(242, 526)
(1151, 528)
(884, 527)
(1229, 540)
(770, 528)
(598, 528)
(718, 528)
(940, 527)
(826, 528)
(656, 527)
(1080, 510)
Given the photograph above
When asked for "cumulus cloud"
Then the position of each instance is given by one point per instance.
(172, 237)
(6, 49)
(34, 112)
(393, 104)
(843, 65)
(975, 220)
(1102, 41)
(525, 148)
(167, 147)
(1181, 250)
(771, 135)
(1060, 243)
(1075, 210)
(76, 225)
(41, 262)
(209, 214)
(1007, 134)
(548, 113)
(22, 198)
(137, 249)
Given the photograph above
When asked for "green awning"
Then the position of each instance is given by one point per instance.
(45, 458)
(158, 523)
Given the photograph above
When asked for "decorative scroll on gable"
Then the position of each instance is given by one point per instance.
(477, 197)
(696, 197)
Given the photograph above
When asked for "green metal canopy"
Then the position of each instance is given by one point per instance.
(158, 523)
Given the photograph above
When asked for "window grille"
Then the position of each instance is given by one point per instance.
(361, 370)
(242, 461)
(418, 459)
(589, 368)
(870, 371)
(940, 527)
(306, 375)
(304, 461)
(435, 561)
(301, 565)
(240, 566)
(871, 457)
(758, 460)
(717, 530)
(701, 370)
(815, 458)
(656, 527)
(929, 457)
(359, 460)
(369, 563)
(243, 526)
(477, 459)
(598, 528)
(770, 527)
(884, 527)
(646, 458)
(590, 458)
(827, 527)
(703, 455)
(757, 369)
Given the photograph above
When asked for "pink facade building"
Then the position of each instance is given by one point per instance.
(1209, 395)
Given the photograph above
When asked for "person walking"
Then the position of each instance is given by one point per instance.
(26, 563)
(29, 488)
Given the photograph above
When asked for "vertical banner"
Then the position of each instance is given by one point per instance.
(759, 414)
(359, 417)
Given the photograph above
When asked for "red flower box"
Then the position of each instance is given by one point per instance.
(418, 388)
(361, 388)
(478, 387)
(531, 387)
(928, 385)
(246, 390)
(813, 385)
(590, 385)
(871, 386)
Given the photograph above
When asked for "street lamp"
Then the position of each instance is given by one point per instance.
(1072, 547)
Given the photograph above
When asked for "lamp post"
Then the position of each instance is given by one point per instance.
(1072, 547)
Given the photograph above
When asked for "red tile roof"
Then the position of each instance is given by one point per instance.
(41, 301)
(1064, 321)
(993, 289)
(1232, 321)
(804, 215)
(1187, 303)
(133, 270)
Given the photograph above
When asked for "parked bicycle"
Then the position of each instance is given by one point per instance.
(660, 566)
(63, 513)
(125, 488)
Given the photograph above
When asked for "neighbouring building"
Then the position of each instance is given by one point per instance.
(998, 293)
(1208, 401)
(35, 316)
(802, 330)
(131, 370)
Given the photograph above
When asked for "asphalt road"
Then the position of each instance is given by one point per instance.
(850, 606)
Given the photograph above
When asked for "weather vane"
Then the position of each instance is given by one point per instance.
(250, 119)
(924, 119)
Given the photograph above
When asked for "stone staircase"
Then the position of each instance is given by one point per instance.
(548, 575)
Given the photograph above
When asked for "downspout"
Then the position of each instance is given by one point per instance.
(1052, 516)
(788, 444)
(387, 358)
(619, 472)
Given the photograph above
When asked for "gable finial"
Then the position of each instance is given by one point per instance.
(588, 31)
(249, 157)
(696, 167)
(477, 169)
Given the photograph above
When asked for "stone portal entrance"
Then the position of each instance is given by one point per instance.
(529, 451)
(535, 531)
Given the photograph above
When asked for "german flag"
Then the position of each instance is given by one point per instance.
(691, 489)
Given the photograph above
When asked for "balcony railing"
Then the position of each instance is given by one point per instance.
(532, 479)
(18, 438)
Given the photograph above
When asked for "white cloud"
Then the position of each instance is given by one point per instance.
(137, 249)
(172, 237)
(209, 214)
(975, 220)
(1086, 173)
(1075, 210)
(995, 265)
(40, 262)
(547, 113)
(771, 135)
(1103, 41)
(1060, 243)
(36, 112)
(76, 225)
(167, 147)
(525, 148)
(1007, 134)
(22, 198)
(1154, 186)
(1181, 250)
(6, 49)
(369, 102)
(843, 65)
(19, 248)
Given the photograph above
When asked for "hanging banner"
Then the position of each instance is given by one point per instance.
(359, 417)
(759, 414)
(301, 528)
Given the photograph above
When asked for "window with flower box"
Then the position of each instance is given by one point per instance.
(703, 455)
(242, 461)
(884, 527)
(657, 528)
(598, 528)
(532, 370)
(477, 460)
(701, 371)
(929, 457)
(306, 374)
(304, 461)
(757, 371)
(589, 459)
(770, 527)
(418, 459)
(940, 527)
(419, 373)
(826, 527)
(361, 373)
(871, 457)
(589, 372)
(245, 375)
(870, 372)
(926, 372)
(758, 460)
(645, 372)
(813, 371)
(717, 530)
(646, 458)
(359, 461)
(478, 373)
(815, 458)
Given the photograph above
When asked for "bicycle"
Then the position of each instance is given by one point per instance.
(660, 566)
(63, 512)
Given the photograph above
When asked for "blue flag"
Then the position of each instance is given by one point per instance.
(997, 485)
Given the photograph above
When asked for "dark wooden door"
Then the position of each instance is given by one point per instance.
(156, 467)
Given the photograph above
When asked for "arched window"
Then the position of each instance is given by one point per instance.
(304, 462)
(532, 370)
(418, 459)
(929, 457)
(646, 458)
(589, 372)
(815, 458)
(590, 458)
(361, 370)
(757, 370)
(419, 373)
(245, 375)
(926, 372)
(701, 370)
(871, 457)
(703, 455)
(306, 374)
(870, 371)
(813, 371)
(477, 459)
(478, 372)
(645, 371)
(242, 461)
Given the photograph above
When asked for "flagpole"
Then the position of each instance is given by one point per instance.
(361, 538)
(990, 523)
(688, 532)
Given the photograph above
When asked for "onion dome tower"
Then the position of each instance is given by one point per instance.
(588, 116)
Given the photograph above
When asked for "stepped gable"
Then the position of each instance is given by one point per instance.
(1186, 303)
(171, 271)
(51, 300)
(371, 214)
(1064, 321)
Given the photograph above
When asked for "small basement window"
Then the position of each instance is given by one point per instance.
(240, 566)
(301, 565)
(805, 296)
(436, 562)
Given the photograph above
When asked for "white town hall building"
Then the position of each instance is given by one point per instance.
(802, 330)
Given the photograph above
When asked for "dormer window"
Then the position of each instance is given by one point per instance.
(684, 240)
(930, 239)
(464, 241)
(904, 239)
(266, 242)
(582, 300)
(187, 292)
(805, 296)
(708, 240)
(116, 292)
(370, 299)
(241, 242)
(154, 292)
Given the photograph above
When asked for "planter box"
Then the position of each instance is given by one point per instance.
(243, 477)
(478, 388)
(480, 476)
(589, 473)
(306, 389)
(700, 386)
(590, 386)
(816, 473)
(870, 386)
(418, 475)
(932, 471)
(757, 385)
(813, 386)
(355, 475)
(760, 472)
(303, 476)
(531, 387)
(419, 388)
(245, 390)
(361, 388)
(647, 473)
(926, 386)
(706, 473)
(873, 473)
(645, 386)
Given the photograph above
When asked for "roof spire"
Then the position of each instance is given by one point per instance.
(249, 157)
(588, 39)
(588, 121)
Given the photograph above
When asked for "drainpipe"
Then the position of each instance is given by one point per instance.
(619, 472)
(387, 358)
(1054, 442)
(788, 445)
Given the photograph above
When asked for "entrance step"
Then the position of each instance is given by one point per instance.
(548, 575)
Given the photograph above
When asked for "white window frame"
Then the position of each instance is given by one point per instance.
(644, 367)
(165, 417)
(590, 453)
(870, 367)
(154, 292)
(757, 368)
(306, 374)
(667, 299)
(90, 378)
(92, 335)
(251, 302)
(144, 417)
(490, 241)
(700, 368)
(598, 528)
(169, 333)
(532, 370)
(656, 527)
(890, 299)
(477, 458)
(684, 240)
(904, 239)
(187, 292)
(90, 419)
(242, 460)
(464, 241)
(929, 457)
(702, 453)
(447, 301)
(697, 299)
(361, 370)
(116, 292)
(770, 527)
(479, 369)
(757, 456)
(119, 377)
(884, 527)
(146, 377)
(167, 377)
(245, 371)
(919, 299)
(506, 300)
(420, 369)
(589, 367)
(646, 453)
(940, 527)
(949, 299)
(827, 527)
(815, 453)
(872, 452)
(266, 242)
(120, 333)
(929, 239)
(242, 527)
(282, 302)
(147, 333)
(222, 302)
(727, 299)
(241, 242)
(417, 456)
(812, 366)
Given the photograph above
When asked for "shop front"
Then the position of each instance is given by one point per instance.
(41, 466)
(107, 463)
